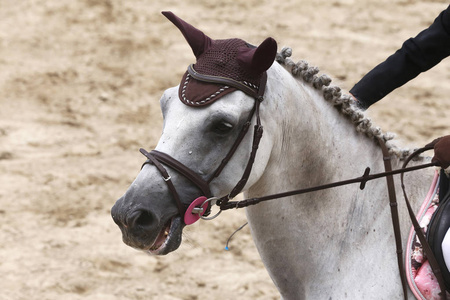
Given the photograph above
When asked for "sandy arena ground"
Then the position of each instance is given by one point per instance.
(80, 83)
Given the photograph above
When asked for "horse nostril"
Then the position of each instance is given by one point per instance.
(115, 214)
(141, 218)
(144, 219)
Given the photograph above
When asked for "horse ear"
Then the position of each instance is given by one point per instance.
(258, 60)
(198, 41)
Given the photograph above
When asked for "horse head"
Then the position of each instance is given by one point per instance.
(204, 148)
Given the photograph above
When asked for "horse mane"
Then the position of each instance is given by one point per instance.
(345, 104)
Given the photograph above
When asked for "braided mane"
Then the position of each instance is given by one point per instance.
(343, 102)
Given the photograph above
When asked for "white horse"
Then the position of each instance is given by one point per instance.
(331, 244)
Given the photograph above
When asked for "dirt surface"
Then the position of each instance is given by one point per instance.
(79, 88)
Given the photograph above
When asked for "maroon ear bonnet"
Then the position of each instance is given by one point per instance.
(231, 59)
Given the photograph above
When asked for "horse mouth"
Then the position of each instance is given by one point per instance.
(168, 239)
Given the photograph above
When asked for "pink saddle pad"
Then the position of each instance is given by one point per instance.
(419, 274)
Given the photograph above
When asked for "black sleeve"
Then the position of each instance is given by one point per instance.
(416, 55)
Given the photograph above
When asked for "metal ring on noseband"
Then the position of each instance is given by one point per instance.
(213, 202)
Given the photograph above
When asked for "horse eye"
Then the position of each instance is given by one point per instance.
(223, 127)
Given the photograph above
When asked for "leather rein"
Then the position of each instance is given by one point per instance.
(202, 208)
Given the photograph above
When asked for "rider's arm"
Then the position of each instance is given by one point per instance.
(416, 55)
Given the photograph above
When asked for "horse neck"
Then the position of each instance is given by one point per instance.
(328, 230)
(314, 144)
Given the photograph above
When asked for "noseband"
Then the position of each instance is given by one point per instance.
(159, 159)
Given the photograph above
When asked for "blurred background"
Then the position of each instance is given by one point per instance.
(80, 83)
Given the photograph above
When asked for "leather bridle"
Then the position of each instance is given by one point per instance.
(159, 159)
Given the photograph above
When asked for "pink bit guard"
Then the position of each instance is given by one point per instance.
(189, 216)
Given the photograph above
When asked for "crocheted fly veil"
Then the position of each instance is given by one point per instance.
(222, 66)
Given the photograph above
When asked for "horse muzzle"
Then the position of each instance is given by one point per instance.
(142, 229)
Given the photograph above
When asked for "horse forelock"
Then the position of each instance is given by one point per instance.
(344, 103)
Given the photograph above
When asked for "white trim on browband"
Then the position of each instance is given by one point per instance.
(183, 93)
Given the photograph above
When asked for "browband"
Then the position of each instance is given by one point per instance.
(252, 91)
